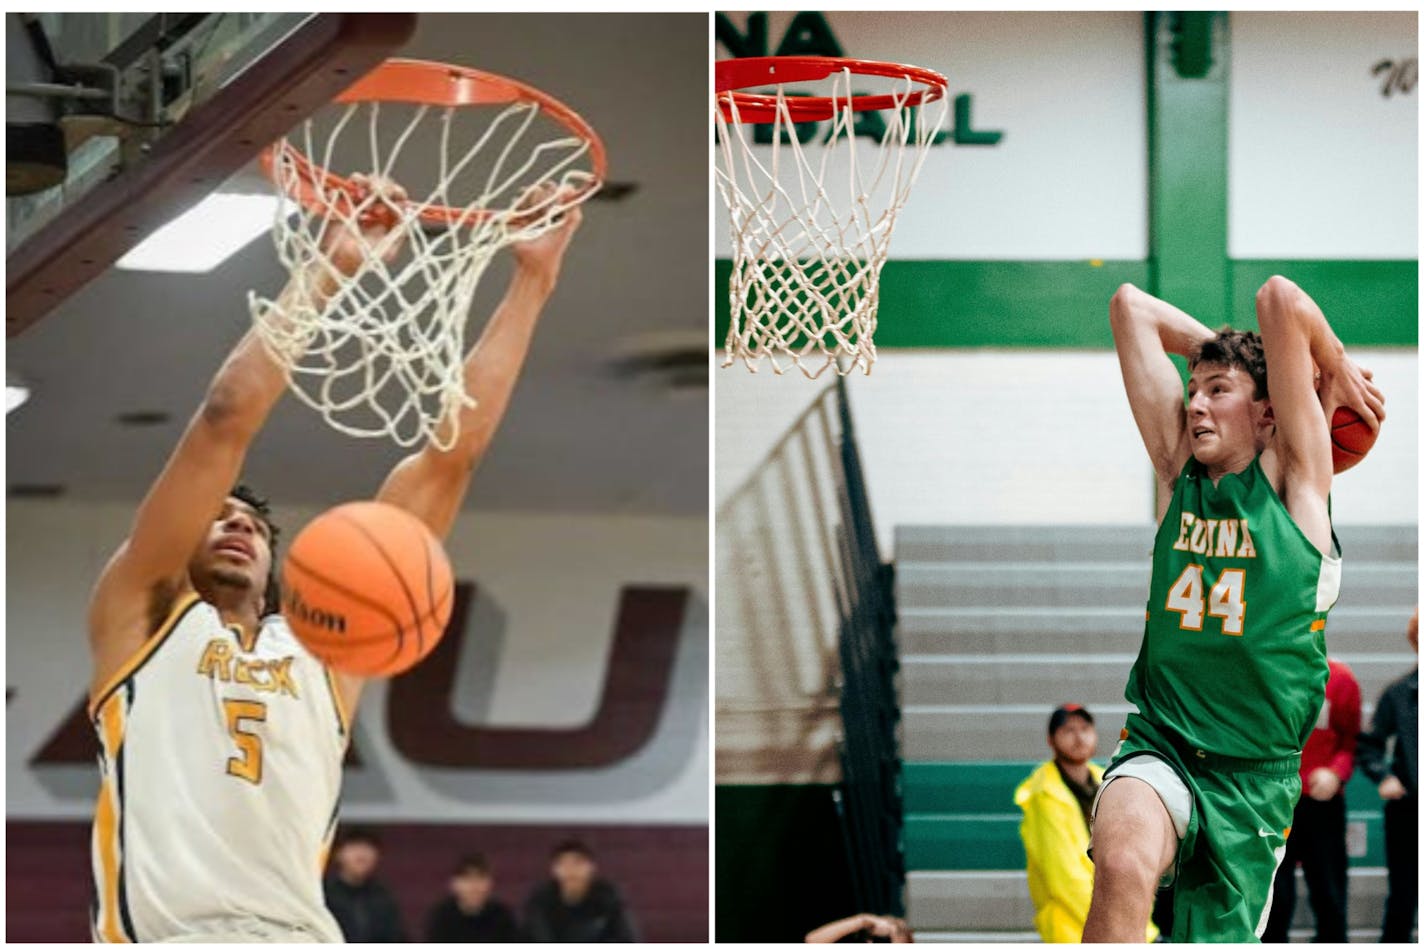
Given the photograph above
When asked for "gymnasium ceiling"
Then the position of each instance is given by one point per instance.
(584, 433)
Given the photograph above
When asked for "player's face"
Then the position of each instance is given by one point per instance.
(357, 860)
(574, 874)
(238, 549)
(472, 888)
(1227, 424)
(1075, 740)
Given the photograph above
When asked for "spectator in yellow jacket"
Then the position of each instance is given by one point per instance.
(1057, 801)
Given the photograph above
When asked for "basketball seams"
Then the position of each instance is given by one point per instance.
(429, 594)
(384, 611)
(366, 601)
(342, 588)
(375, 542)
(436, 604)
(1350, 438)
(374, 605)
(424, 545)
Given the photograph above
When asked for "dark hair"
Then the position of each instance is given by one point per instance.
(357, 835)
(272, 598)
(1062, 713)
(1231, 347)
(572, 845)
(472, 863)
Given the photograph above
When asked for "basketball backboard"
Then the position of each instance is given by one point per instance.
(128, 119)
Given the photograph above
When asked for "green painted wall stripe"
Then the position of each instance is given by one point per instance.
(1064, 304)
(1186, 161)
(1000, 303)
(1368, 302)
(956, 303)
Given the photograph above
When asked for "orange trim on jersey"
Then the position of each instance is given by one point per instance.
(1318, 626)
(328, 838)
(1285, 835)
(246, 641)
(106, 827)
(180, 609)
(106, 840)
(341, 715)
(111, 729)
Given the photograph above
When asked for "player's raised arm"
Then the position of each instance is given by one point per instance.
(150, 566)
(1145, 330)
(431, 483)
(1298, 341)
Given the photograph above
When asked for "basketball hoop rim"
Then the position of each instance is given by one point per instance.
(424, 82)
(756, 109)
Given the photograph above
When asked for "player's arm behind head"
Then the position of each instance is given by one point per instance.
(1145, 330)
(1302, 438)
(1298, 341)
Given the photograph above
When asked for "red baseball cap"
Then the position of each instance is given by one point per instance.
(1061, 713)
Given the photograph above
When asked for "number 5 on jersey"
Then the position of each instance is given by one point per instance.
(1226, 601)
(248, 763)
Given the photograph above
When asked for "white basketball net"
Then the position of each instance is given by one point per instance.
(811, 232)
(384, 355)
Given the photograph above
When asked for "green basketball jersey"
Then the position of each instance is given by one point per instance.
(1233, 654)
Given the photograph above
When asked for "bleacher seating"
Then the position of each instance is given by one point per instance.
(998, 625)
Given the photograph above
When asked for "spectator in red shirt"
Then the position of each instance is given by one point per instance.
(1317, 835)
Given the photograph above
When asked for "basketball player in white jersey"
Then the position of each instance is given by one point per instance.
(222, 737)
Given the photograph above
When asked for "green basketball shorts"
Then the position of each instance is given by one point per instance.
(1235, 839)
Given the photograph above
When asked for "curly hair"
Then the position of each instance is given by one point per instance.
(1230, 347)
(272, 598)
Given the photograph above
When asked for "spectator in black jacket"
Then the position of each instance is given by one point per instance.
(470, 913)
(364, 909)
(1397, 774)
(576, 905)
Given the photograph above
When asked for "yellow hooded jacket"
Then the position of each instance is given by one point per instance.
(1060, 875)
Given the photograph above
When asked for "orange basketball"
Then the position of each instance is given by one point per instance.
(1350, 439)
(367, 589)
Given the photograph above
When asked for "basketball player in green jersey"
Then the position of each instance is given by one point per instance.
(1231, 673)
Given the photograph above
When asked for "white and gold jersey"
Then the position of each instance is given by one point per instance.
(220, 770)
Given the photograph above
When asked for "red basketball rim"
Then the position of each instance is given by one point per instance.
(755, 109)
(421, 82)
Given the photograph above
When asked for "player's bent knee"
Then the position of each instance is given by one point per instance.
(1133, 829)
(1126, 868)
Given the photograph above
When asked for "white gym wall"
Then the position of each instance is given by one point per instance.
(555, 578)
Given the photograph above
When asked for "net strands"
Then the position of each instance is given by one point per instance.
(384, 354)
(808, 249)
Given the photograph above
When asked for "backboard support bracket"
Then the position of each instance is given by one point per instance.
(310, 67)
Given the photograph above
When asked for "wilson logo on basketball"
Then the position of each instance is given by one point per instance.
(385, 584)
(294, 605)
